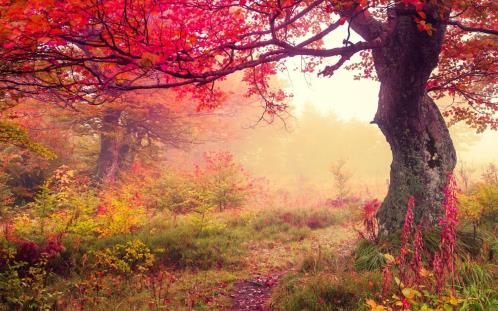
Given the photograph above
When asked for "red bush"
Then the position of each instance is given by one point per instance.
(370, 224)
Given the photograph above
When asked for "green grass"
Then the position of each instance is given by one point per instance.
(204, 260)
(368, 256)
(325, 291)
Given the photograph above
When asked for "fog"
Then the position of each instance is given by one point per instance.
(328, 121)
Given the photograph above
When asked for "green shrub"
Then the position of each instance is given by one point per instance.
(319, 261)
(23, 287)
(368, 256)
(472, 273)
(126, 258)
(480, 299)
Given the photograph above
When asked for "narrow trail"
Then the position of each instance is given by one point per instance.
(254, 294)
(269, 262)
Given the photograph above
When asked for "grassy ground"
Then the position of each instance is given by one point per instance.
(285, 259)
(197, 269)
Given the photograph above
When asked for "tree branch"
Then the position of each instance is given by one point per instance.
(471, 29)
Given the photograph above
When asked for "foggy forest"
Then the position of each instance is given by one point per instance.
(286, 155)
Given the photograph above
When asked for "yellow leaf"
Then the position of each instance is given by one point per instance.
(389, 258)
(374, 306)
(410, 293)
(425, 273)
(371, 303)
(453, 301)
(149, 59)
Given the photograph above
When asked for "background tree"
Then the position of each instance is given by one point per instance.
(341, 178)
(90, 51)
(137, 123)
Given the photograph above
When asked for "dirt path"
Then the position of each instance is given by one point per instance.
(268, 262)
(254, 294)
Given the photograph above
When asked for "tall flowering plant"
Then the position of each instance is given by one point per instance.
(416, 280)
(444, 259)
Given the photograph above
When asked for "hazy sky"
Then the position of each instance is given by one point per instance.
(353, 99)
(339, 94)
(341, 131)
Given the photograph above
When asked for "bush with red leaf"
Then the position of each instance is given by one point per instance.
(370, 224)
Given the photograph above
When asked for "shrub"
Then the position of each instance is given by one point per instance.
(474, 274)
(174, 192)
(223, 182)
(23, 286)
(321, 261)
(368, 256)
(132, 256)
(64, 205)
(480, 206)
(6, 196)
(183, 247)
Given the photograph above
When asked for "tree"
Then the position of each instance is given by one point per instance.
(137, 123)
(91, 51)
(341, 179)
(117, 133)
(13, 134)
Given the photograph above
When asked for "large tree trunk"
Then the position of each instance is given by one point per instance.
(423, 153)
(110, 141)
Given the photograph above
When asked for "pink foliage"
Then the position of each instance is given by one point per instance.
(444, 259)
(410, 260)
(408, 225)
(370, 209)
(418, 247)
(402, 259)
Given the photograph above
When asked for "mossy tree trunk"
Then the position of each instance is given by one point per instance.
(422, 149)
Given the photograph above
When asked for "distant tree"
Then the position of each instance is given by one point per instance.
(464, 174)
(223, 182)
(341, 179)
(490, 174)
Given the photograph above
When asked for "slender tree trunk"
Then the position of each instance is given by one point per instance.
(110, 137)
(422, 149)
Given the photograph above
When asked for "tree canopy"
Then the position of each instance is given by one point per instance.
(93, 50)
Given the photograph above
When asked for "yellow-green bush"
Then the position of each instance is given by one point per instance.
(480, 205)
(24, 287)
(126, 258)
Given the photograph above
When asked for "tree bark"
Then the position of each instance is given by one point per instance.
(422, 149)
(110, 141)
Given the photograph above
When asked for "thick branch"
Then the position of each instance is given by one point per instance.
(366, 26)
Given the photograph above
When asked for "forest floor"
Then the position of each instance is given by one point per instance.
(268, 261)
(235, 260)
